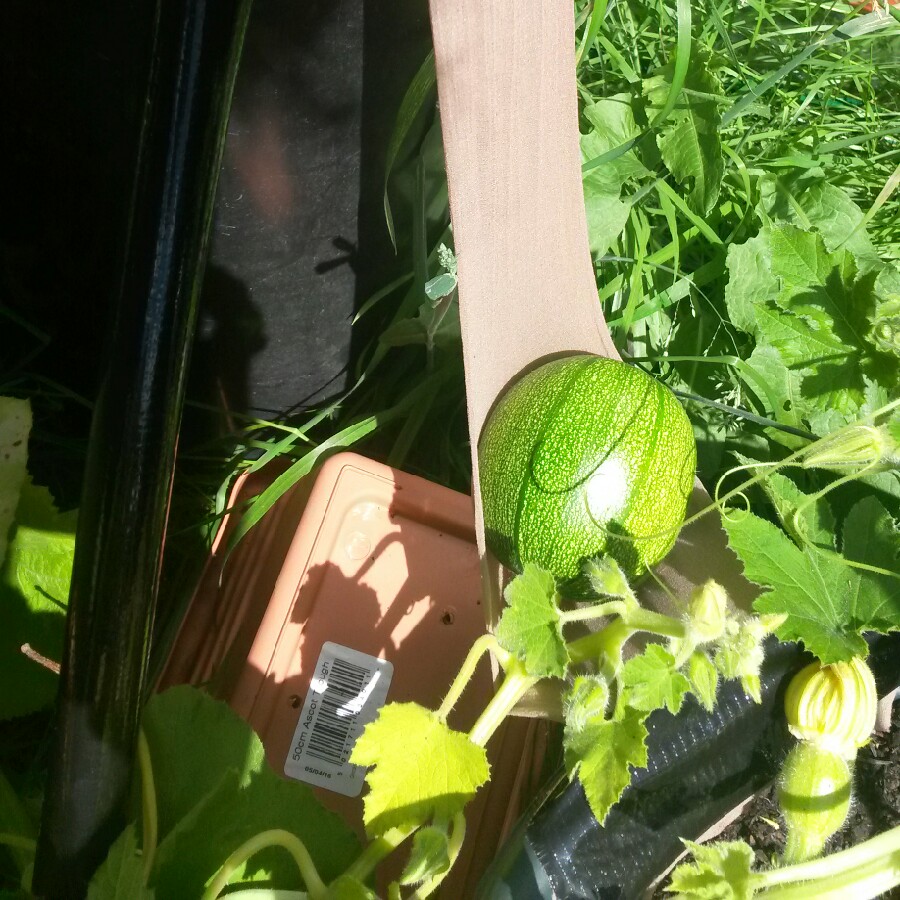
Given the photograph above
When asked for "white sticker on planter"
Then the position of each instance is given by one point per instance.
(345, 693)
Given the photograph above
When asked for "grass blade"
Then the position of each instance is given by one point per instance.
(418, 92)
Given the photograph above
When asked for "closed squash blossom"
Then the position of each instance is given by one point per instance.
(579, 450)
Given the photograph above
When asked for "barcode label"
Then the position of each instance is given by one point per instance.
(345, 693)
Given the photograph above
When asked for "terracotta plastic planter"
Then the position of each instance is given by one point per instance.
(377, 561)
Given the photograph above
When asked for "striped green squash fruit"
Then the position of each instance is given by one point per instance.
(582, 456)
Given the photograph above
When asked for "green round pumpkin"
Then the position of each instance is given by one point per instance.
(580, 450)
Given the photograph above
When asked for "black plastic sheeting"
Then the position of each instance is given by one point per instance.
(299, 235)
(701, 765)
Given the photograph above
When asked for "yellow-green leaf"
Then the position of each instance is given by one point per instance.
(421, 768)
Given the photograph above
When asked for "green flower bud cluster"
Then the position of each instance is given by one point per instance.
(586, 702)
(730, 639)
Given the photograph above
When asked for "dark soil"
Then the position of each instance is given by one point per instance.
(875, 807)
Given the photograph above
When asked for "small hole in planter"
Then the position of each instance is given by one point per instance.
(448, 617)
(295, 700)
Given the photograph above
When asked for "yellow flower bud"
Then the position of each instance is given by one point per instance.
(855, 445)
(833, 706)
(707, 611)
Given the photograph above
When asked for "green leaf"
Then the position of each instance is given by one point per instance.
(430, 855)
(820, 594)
(612, 125)
(606, 219)
(751, 282)
(872, 537)
(442, 323)
(121, 875)
(530, 626)
(894, 427)
(444, 331)
(407, 331)
(440, 286)
(830, 376)
(887, 284)
(885, 331)
(807, 199)
(689, 138)
(215, 790)
(602, 754)
(15, 426)
(826, 337)
(650, 681)
(34, 593)
(779, 389)
(193, 739)
(816, 283)
(418, 92)
(422, 768)
(195, 848)
(41, 563)
(15, 819)
(720, 871)
(814, 308)
(804, 519)
(704, 679)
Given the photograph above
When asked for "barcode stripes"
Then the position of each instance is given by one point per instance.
(331, 729)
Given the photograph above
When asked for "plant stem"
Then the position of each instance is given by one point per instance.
(860, 883)
(150, 831)
(864, 864)
(277, 837)
(516, 683)
(655, 623)
(487, 642)
(374, 852)
(598, 611)
(604, 646)
(268, 894)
